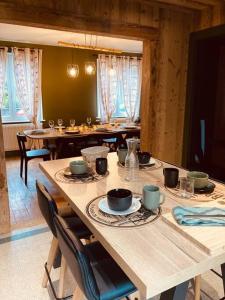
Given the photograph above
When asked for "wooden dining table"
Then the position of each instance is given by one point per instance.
(157, 257)
(52, 134)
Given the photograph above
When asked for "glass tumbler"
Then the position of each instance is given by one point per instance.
(186, 189)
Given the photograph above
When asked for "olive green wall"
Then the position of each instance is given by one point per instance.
(64, 97)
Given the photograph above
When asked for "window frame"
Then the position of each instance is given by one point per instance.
(11, 88)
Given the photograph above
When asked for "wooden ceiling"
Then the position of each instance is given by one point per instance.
(188, 4)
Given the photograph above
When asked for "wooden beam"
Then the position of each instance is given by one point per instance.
(181, 3)
(4, 201)
(149, 94)
(49, 18)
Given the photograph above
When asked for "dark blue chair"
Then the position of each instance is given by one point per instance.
(97, 275)
(48, 208)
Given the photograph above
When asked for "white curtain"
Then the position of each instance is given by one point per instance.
(27, 70)
(119, 77)
(3, 62)
(107, 82)
(130, 70)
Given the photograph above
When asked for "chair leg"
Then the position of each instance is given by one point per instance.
(26, 162)
(50, 261)
(78, 294)
(197, 290)
(62, 277)
(21, 167)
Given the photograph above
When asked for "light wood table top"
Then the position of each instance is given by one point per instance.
(55, 133)
(155, 256)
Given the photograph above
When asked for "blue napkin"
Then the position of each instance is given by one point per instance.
(180, 213)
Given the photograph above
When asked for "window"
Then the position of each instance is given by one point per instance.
(118, 87)
(11, 110)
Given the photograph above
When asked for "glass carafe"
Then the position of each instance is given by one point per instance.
(131, 161)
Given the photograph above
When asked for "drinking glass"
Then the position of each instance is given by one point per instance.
(72, 122)
(60, 122)
(51, 124)
(89, 121)
(186, 189)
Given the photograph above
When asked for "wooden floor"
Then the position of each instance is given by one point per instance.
(24, 210)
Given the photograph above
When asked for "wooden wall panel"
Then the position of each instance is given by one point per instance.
(163, 113)
(4, 203)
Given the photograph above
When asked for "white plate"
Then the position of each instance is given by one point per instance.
(135, 206)
(151, 162)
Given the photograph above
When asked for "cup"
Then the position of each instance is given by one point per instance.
(152, 197)
(200, 179)
(78, 167)
(122, 153)
(144, 157)
(101, 165)
(186, 189)
(170, 177)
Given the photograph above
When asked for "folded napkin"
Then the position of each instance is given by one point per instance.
(180, 214)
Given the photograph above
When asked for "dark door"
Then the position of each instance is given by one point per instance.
(204, 144)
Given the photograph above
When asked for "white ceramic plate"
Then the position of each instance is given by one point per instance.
(151, 162)
(135, 206)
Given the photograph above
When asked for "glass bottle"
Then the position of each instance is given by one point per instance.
(131, 161)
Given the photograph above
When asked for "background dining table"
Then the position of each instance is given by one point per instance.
(48, 134)
(157, 257)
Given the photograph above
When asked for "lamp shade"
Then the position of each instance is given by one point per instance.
(72, 70)
(90, 68)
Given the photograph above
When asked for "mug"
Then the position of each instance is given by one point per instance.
(101, 165)
(122, 153)
(144, 157)
(170, 177)
(152, 197)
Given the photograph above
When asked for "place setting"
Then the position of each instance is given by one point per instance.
(195, 186)
(93, 167)
(144, 160)
(124, 208)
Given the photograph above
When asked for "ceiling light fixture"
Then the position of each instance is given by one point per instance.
(72, 69)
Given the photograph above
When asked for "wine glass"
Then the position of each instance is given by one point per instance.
(72, 122)
(89, 121)
(60, 122)
(51, 124)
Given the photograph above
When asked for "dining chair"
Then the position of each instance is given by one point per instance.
(69, 147)
(26, 155)
(48, 207)
(96, 273)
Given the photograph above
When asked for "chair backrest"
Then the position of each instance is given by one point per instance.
(69, 147)
(21, 138)
(47, 206)
(74, 252)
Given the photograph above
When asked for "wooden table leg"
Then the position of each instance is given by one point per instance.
(197, 290)
(50, 261)
(78, 294)
(62, 277)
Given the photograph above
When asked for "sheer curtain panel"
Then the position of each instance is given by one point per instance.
(3, 62)
(27, 70)
(130, 70)
(119, 86)
(107, 84)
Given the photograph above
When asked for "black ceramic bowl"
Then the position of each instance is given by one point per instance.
(119, 199)
(144, 157)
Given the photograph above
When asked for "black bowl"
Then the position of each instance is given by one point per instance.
(144, 157)
(119, 199)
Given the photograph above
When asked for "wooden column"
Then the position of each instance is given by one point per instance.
(4, 201)
(164, 87)
(148, 95)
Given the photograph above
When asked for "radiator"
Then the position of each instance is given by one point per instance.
(9, 135)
